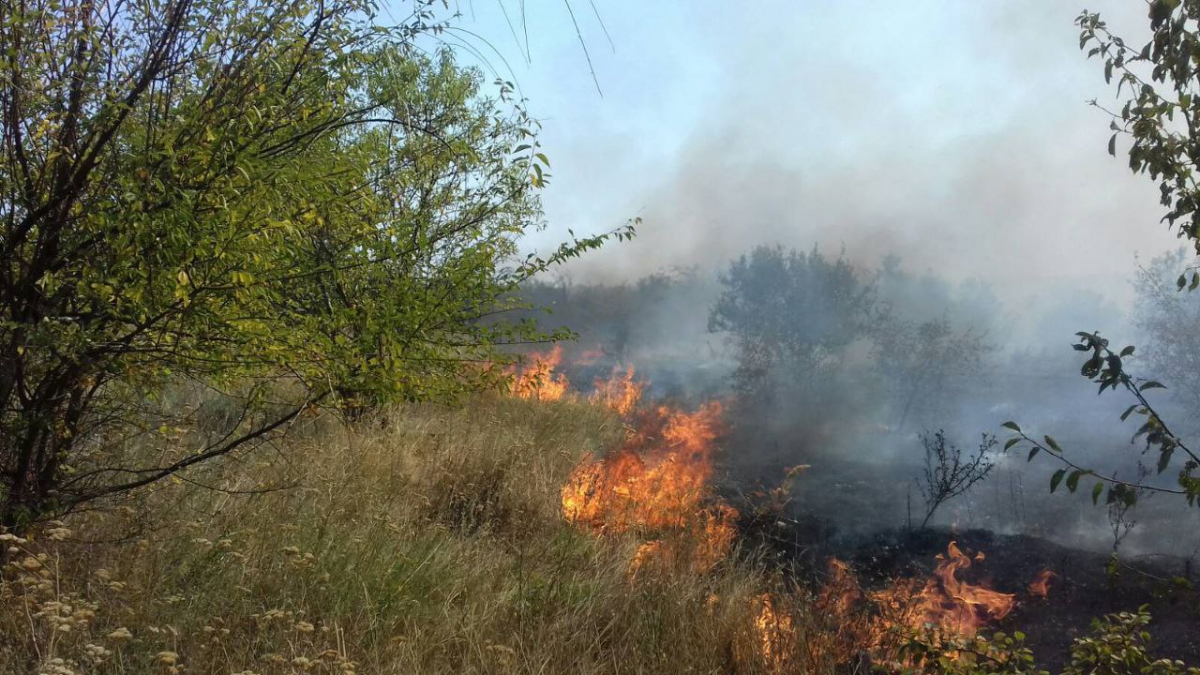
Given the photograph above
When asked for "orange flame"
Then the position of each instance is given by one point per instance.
(776, 634)
(950, 605)
(538, 381)
(1040, 586)
(619, 392)
(658, 482)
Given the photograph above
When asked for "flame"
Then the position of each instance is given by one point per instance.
(1040, 586)
(538, 381)
(950, 605)
(658, 483)
(776, 634)
(619, 392)
(841, 592)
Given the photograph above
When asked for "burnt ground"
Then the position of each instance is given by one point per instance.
(1081, 591)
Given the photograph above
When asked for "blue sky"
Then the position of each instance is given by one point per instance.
(955, 135)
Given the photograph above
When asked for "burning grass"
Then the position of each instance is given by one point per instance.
(506, 537)
(431, 544)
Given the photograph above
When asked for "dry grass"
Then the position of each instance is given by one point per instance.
(428, 541)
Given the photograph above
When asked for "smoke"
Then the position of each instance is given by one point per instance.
(955, 138)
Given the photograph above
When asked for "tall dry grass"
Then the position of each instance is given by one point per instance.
(428, 540)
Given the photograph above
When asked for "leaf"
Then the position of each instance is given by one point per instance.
(1151, 385)
(1073, 479)
(1164, 458)
(1128, 410)
(1056, 479)
(1012, 425)
(1033, 453)
(1011, 442)
(1112, 145)
(1127, 351)
(1097, 489)
(1053, 444)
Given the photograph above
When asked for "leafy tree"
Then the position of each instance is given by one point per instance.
(1170, 323)
(791, 315)
(1161, 80)
(284, 201)
(923, 363)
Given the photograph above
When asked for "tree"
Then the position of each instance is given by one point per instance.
(283, 201)
(924, 362)
(949, 472)
(1168, 321)
(1162, 81)
(791, 315)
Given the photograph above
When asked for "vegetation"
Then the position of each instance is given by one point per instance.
(1118, 643)
(791, 315)
(1167, 152)
(950, 473)
(430, 542)
(289, 226)
(287, 202)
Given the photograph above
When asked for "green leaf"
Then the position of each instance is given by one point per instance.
(1011, 442)
(1056, 479)
(1053, 444)
(1073, 479)
(1097, 489)
(1033, 453)
(1151, 385)
(1128, 410)
(1012, 425)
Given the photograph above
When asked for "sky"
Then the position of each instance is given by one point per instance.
(955, 135)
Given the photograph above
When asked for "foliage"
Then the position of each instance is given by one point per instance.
(1119, 644)
(286, 201)
(1162, 105)
(948, 472)
(791, 314)
(924, 362)
(1162, 79)
(932, 651)
(1106, 368)
(1168, 319)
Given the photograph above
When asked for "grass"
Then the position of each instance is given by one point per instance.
(428, 540)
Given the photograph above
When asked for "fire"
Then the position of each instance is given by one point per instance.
(841, 592)
(776, 634)
(658, 483)
(1040, 586)
(657, 480)
(539, 381)
(950, 605)
(619, 392)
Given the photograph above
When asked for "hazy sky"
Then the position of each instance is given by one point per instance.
(953, 134)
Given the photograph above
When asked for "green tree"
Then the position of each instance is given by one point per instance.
(1161, 116)
(284, 201)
